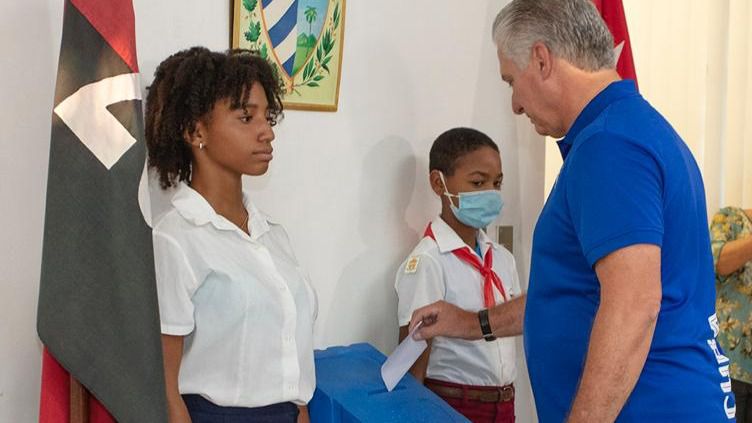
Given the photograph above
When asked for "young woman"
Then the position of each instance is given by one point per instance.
(236, 310)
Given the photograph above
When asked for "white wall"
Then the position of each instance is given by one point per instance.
(29, 40)
(350, 187)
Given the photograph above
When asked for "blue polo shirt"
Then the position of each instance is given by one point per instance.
(627, 179)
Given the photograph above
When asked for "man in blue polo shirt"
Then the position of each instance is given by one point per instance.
(619, 320)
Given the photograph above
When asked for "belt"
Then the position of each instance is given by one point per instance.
(498, 394)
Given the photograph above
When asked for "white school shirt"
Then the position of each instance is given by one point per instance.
(242, 302)
(432, 273)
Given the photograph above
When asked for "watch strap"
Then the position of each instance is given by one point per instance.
(485, 325)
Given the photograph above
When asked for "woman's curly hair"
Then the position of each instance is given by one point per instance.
(186, 87)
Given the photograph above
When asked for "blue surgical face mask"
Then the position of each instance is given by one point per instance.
(476, 209)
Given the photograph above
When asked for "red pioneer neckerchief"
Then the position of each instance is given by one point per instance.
(490, 278)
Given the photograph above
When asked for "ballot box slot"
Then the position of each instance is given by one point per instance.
(383, 390)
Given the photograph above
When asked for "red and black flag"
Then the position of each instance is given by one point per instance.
(612, 12)
(98, 316)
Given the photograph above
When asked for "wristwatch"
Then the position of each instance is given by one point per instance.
(485, 326)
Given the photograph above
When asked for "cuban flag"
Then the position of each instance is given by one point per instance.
(612, 12)
(281, 17)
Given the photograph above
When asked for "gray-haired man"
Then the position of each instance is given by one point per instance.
(619, 321)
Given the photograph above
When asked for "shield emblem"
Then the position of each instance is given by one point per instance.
(294, 27)
(281, 21)
(303, 41)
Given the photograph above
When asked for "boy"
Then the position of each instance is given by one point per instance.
(458, 263)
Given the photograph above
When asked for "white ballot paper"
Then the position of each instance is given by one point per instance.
(403, 357)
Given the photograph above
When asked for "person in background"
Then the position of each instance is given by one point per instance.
(619, 319)
(457, 262)
(236, 311)
(731, 242)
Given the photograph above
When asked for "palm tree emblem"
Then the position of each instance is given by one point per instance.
(310, 16)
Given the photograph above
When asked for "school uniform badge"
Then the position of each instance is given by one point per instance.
(412, 264)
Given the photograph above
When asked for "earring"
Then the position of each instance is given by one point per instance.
(200, 146)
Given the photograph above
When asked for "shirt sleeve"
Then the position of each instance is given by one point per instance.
(176, 284)
(615, 195)
(419, 282)
(720, 234)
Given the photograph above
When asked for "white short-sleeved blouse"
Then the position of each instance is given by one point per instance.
(242, 302)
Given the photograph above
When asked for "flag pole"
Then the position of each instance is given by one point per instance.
(79, 402)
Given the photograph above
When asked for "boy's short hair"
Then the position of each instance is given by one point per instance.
(453, 144)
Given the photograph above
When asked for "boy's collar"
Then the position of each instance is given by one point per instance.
(448, 240)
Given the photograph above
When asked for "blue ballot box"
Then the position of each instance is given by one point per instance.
(349, 389)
